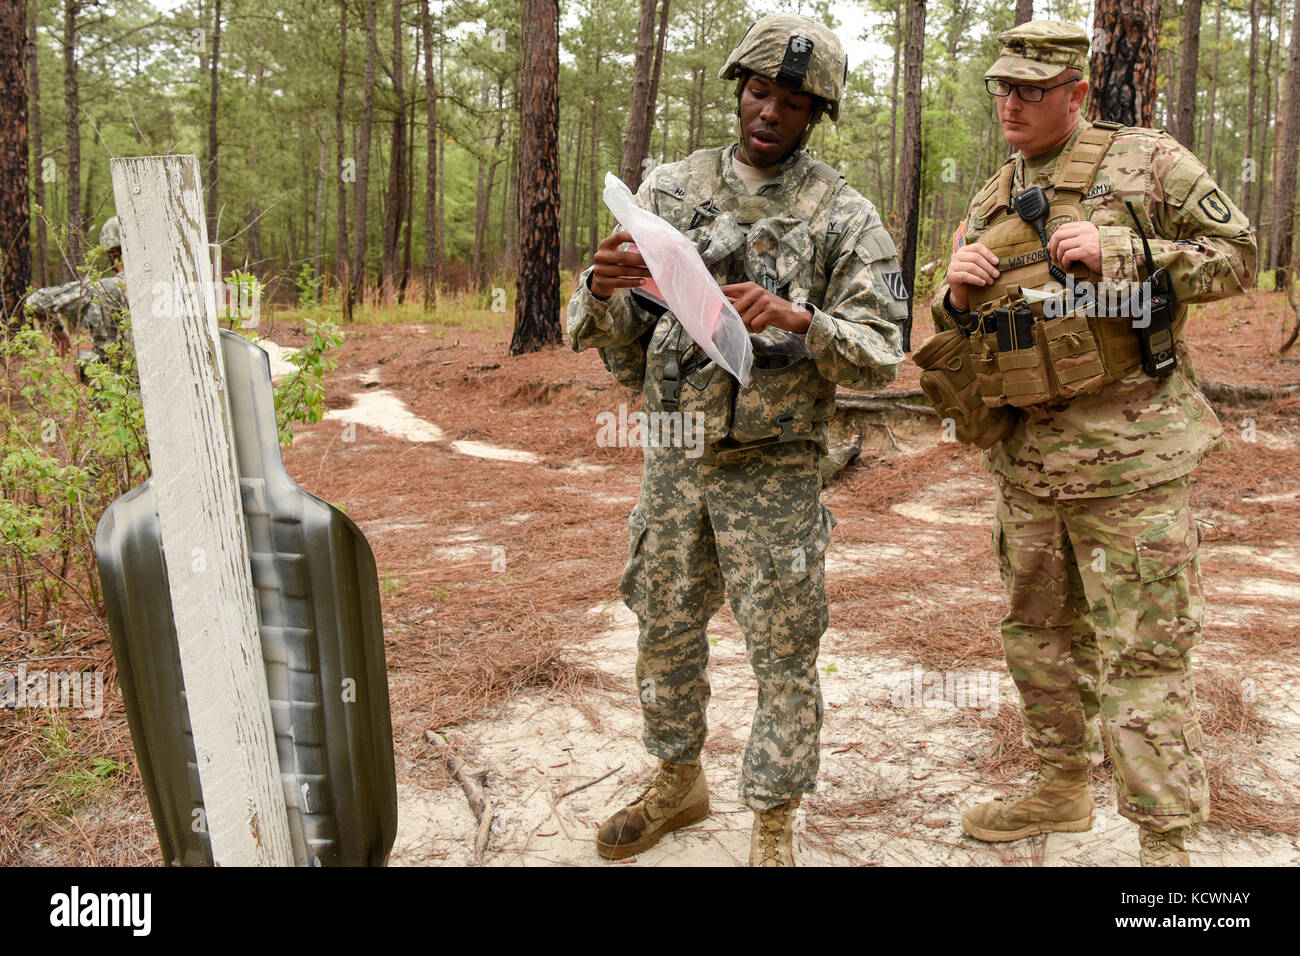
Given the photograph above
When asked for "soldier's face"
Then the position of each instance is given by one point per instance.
(1035, 128)
(772, 119)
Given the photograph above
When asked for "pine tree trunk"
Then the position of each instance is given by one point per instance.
(318, 241)
(893, 109)
(363, 150)
(1208, 158)
(574, 255)
(480, 200)
(1024, 11)
(42, 274)
(14, 225)
(1251, 167)
(910, 171)
(211, 201)
(431, 277)
(593, 179)
(396, 196)
(1185, 126)
(442, 179)
(537, 304)
(1290, 146)
(1122, 68)
(342, 242)
(637, 139)
(658, 67)
(1265, 129)
(75, 253)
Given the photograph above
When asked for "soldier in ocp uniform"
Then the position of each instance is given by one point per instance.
(795, 249)
(1091, 420)
(97, 305)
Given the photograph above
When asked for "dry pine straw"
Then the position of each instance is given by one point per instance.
(462, 641)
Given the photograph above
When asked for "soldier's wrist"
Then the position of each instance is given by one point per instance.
(594, 294)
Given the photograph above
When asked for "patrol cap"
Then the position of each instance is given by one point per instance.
(795, 50)
(1040, 50)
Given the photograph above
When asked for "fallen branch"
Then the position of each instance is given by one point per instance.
(1229, 393)
(591, 783)
(478, 802)
(884, 400)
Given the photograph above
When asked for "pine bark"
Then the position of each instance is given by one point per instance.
(910, 171)
(637, 139)
(14, 225)
(1123, 64)
(537, 303)
(1290, 145)
(1185, 122)
(363, 151)
(41, 265)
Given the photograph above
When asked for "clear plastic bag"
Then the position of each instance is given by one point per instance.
(684, 283)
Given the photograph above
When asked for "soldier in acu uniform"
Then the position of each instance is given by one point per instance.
(797, 250)
(95, 305)
(1091, 425)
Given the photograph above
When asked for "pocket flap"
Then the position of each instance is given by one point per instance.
(1165, 550)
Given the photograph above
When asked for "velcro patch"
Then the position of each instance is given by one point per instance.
(1215, 206)
(1099, 190)
(894, 282)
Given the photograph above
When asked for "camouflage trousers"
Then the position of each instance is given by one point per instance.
(1106, 607)
(757, 528)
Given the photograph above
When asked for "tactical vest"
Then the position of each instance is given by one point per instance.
(740, 237)
(1027, 352)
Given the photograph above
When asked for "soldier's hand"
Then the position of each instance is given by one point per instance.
(1076, 242)
(62, 342)
(615, 269)
(973, 265)
(761, 308)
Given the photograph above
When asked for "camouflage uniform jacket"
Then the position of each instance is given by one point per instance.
(1138, 431)
(807, 235)
(95, 305)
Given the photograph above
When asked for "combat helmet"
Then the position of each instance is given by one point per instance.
(110, 234)
(795, 50)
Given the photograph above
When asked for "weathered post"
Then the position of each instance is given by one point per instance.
(169, 285)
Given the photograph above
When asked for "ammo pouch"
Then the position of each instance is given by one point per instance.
(687, 382)
(949, 381)
(1029, 353)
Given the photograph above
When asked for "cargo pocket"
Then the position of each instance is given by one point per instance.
(800, 614)
(1165, 550)
(1004, 566)
(777, 402)
(632, 584)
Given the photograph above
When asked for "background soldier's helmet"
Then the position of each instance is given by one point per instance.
(110, 234)
(1040, 50)
(795, 50)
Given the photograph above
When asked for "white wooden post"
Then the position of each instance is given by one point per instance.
(182, 384)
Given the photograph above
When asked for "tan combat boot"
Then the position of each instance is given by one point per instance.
(677, 797)
(1163, 849)
(1052, 800)
(770, 840)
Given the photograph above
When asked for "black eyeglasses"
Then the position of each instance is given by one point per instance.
(1027, 93)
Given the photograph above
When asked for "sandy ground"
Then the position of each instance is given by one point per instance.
(896, 772)
(498, 524)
